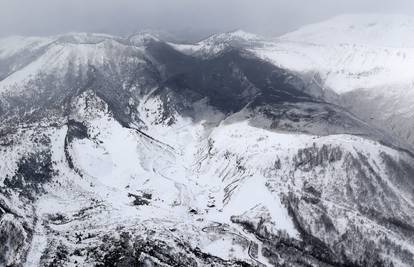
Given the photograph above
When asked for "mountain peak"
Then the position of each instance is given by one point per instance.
(232, 36)
(243, 34)
(143, 38)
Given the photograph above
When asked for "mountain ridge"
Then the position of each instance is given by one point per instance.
(134, 151)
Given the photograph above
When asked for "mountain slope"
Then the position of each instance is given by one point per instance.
(360, 61)
(363, 59)
(364, 29)
(127, 151)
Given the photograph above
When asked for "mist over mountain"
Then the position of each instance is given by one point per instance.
(125, 17)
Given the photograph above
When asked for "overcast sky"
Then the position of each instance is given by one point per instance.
(123, 17)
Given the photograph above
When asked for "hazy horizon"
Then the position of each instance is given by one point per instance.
(182, 18)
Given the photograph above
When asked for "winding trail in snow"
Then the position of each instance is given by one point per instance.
(252, 244)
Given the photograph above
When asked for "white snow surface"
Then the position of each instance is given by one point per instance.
(62, 55)
(370, 57)
(347, 53)
(360, 29)
(217, 170)
(13, 45)
(367, 56)
(227, 166)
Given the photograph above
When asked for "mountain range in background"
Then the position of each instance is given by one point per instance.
(236, 150)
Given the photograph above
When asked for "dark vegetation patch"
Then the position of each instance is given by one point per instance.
(406, 227)
(12, 240)
(33, 171)
(328, 253)
(76, 130)
(401, 172)
(129, 250)
(59, 256)
(309, 158)
(142, 200)
(57, 218)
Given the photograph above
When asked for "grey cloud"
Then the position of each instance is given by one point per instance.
(122, 17)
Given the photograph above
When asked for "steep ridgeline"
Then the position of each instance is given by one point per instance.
(366, 60)
(130, 152)
(362, 62)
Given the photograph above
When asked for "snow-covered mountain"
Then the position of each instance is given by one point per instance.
(137, 152)
(365, 59)
(219, 42)
(363, 62)
(364, 29)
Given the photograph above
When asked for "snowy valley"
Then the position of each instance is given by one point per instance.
(238, 150)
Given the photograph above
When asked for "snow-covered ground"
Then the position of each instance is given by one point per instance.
(197, 183)
(366, 60)
(203, 180)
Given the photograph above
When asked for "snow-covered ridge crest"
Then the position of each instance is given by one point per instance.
(10, 46)
(216, 43)
(232, 35)
(23, 59)
(361, 29)
(366, 60)
(131, 165)
(143, 38)
(349, 52)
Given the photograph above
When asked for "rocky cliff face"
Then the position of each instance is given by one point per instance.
(128, 152)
